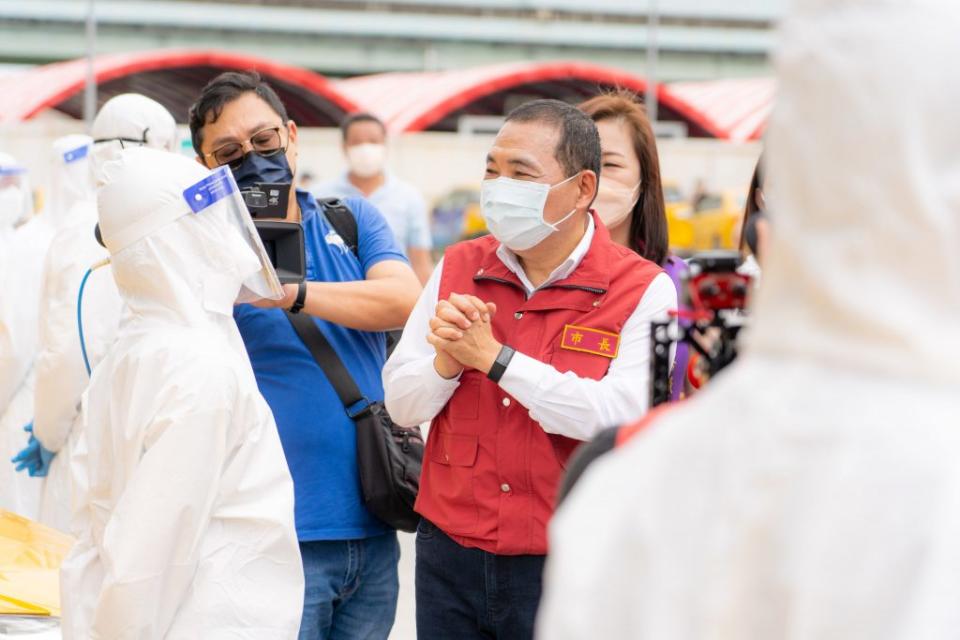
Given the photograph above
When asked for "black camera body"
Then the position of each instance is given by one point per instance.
(267, 203)
(267, 199)
(285, 247)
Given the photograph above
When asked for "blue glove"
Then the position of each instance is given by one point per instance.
(35, 458)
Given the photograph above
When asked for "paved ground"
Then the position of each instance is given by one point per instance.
(405, 627)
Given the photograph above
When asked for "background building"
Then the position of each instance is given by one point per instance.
(440, 73)
(698, 39)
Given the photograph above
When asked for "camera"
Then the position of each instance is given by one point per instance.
(711, 314)
(284, 244)
(267, 199)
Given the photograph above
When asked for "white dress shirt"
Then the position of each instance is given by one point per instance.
(562, 403)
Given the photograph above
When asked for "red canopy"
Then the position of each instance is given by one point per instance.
(172, 77)
(733, 109)
(419, 101)
(406, 102)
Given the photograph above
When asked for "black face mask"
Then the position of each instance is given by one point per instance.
(256, 168)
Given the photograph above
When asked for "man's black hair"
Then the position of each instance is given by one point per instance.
(361, 116)
(222, 90)
(579, 145)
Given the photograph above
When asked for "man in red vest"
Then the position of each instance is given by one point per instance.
(537, 337)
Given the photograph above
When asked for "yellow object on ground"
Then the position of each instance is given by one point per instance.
(30, 557)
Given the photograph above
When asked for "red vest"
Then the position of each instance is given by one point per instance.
(490, 473)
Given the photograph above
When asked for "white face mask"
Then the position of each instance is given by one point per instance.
(614, 203)
(366, 160)
(513, 211)
(11, 206)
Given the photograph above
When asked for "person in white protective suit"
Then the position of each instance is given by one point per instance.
(16, 205)
(185, 523)
(124, 121)
(19, 316)
(812, 491)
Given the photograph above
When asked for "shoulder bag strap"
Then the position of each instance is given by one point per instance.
(322, 351)
(343, 221)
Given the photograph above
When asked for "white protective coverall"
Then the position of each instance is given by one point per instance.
(812, 491)
(185, 524)
(20, 314)
(16, 205)
(61, 376)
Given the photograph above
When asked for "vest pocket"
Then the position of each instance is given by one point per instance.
(456, 450)
(453, 504)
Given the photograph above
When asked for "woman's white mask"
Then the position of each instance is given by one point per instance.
(615, 203)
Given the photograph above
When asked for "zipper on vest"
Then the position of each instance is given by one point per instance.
(577, 287)
(500, 281)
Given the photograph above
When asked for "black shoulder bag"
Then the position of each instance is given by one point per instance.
(389, 457)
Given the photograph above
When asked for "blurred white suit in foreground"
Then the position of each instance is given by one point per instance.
(813, 490)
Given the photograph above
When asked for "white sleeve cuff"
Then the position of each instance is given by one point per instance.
(522, 377)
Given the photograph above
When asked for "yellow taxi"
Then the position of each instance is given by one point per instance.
(713, 223)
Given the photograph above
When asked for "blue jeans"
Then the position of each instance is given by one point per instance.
(469, 594)
(352, 588)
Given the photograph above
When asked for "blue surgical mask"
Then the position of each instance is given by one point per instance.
(257, 168)
(513, 211)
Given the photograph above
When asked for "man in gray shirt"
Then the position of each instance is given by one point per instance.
(364, 145)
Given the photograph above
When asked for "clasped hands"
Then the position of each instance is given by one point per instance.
(462, 335)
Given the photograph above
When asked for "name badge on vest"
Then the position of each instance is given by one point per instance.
(599, 343)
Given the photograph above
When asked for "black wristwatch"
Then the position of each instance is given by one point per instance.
(301, 298)
(500, 364)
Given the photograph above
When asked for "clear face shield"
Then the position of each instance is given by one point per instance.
(217, 197)
(219, 193)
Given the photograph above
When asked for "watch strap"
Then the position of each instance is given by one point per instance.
(297, 305)
(500, 364)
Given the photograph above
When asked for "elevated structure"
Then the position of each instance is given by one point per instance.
(698, 39)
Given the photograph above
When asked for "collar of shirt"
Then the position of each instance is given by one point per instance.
(512, 262)
(308, 205)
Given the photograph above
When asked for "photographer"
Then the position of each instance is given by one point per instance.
(353, 295)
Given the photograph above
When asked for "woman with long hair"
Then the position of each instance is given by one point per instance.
(630, 195)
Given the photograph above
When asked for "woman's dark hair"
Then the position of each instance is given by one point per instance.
(751, 207)
(648, 221)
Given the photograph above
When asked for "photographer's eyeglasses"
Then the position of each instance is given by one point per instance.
(266, 142)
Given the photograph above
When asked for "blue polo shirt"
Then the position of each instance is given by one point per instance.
(318, 437)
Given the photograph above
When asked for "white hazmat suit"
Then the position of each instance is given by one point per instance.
(812, 491)
(186, 528)
(22, 288)
(16, 205)
(61, 376)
